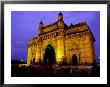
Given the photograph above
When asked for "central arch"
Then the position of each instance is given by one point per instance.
(49, 57)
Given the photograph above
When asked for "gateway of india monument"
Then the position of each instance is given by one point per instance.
(58, 43)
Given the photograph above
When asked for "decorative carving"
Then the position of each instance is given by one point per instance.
(75, 39)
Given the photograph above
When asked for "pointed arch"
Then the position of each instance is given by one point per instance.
(49, 57)
(74, 59)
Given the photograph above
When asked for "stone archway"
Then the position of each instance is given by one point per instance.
(74, 60)
(49, 57)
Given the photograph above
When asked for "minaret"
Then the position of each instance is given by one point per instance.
(41, 25)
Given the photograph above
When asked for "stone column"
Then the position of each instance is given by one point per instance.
(60, 50)
(29, 56)
(37, 53)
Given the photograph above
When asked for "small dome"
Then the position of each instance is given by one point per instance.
(60, 16)
(60, 13)
(41, 22)
(71, 25)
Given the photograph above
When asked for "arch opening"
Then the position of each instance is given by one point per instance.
(74, 59)
(49, 57)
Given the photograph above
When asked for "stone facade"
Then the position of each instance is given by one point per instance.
(67, 41)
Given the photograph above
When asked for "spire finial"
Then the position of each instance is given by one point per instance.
(60, 16)
(41, 22)
(60, 13)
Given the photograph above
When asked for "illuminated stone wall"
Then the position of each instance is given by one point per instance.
(82, 46)
(75, 39)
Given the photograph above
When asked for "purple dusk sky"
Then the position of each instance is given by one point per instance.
(24, 26)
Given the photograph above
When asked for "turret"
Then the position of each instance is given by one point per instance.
(60, 16)
(41, 25)
(60, 21)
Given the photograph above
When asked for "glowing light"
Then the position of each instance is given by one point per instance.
(21, 60)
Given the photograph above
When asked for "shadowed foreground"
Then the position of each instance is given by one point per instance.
(55, 71)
